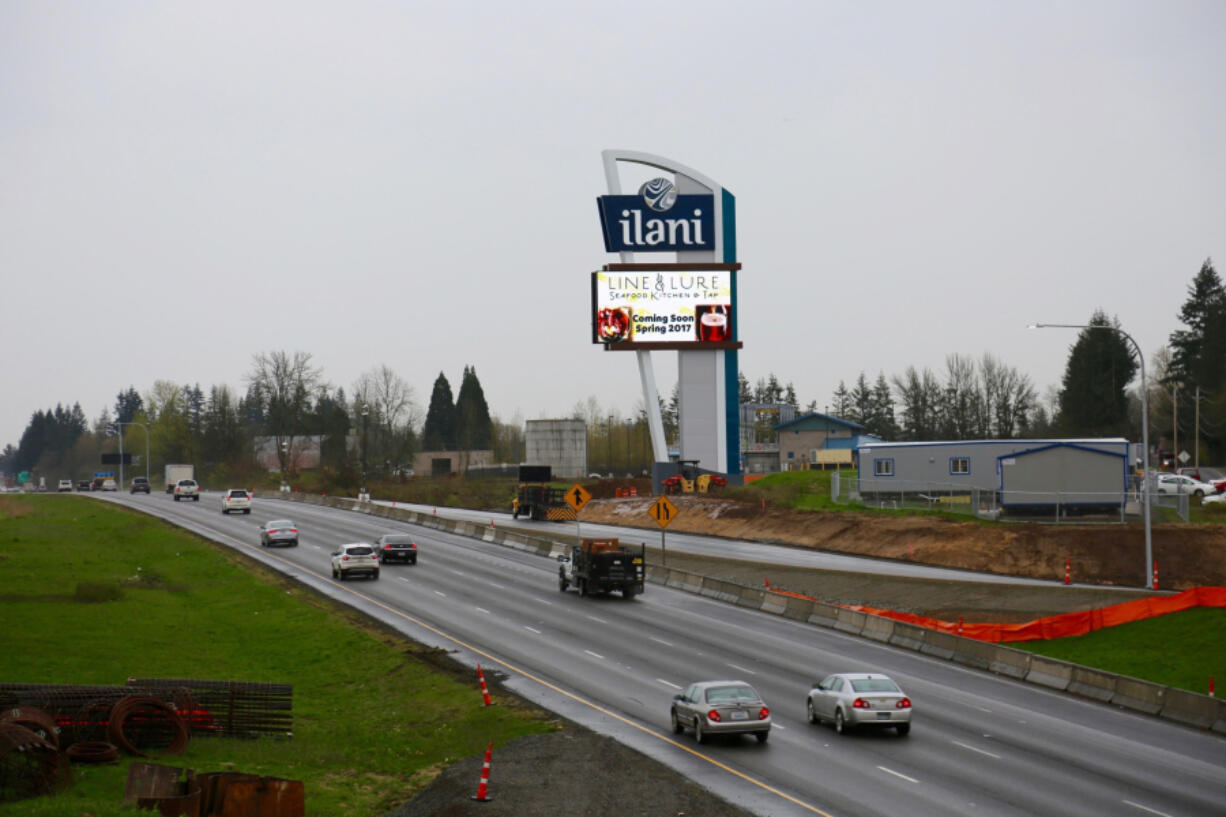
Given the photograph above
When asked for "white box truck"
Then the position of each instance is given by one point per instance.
(174, 473)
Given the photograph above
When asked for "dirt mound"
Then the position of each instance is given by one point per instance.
(1187, 555)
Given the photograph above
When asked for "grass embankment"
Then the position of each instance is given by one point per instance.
(1180, 650)
(93, 594)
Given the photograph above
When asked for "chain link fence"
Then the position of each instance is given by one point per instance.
(1061, 507)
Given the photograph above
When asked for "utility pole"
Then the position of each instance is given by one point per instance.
(1175, 425)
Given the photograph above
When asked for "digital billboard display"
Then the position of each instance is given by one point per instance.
(666, 306)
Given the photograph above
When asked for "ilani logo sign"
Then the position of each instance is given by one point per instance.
(658, 219)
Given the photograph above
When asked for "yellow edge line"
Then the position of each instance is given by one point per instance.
(512, 668)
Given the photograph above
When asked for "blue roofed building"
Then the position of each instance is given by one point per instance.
(817, 440)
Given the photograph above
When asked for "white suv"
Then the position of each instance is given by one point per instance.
(236, 499)
(187, 489)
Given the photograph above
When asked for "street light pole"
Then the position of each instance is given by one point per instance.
(1145, 494)
(120, 426)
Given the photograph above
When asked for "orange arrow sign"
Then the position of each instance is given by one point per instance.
(577, 497)
(663, 511)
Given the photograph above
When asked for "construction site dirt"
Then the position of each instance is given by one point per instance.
(569, 771)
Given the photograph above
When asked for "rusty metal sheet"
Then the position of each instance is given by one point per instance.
(233, 794)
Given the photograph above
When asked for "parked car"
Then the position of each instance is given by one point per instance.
(1216, 499)
(358, 557)
(1179, 484)
(1210, 475)
(85, 485)
(187, 489)
(109, 484)
(721, 708)
(236, 499)
(396, 547)
(279, 532)
(64, 485)
(140, 485)
(859, 699)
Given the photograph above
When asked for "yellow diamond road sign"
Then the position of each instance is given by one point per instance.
(577, 497)
(663, 511)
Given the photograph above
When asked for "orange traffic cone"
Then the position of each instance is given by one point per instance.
(485, 691)
(1067, 572)
(483, 786)
(1155, 574)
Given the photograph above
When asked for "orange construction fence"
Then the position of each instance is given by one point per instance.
(1061, 626)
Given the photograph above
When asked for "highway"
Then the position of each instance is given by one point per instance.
(980, 744)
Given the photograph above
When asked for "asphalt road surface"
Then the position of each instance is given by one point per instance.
(980, 745)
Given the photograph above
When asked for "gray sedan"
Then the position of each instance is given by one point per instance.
(854, 699)
(279, 532)
(721, 708)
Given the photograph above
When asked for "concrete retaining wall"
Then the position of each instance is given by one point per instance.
(1179, 705)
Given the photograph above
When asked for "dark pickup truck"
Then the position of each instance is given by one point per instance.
(396, 547)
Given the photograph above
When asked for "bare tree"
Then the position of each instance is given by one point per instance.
(396, 413)
(285, 383)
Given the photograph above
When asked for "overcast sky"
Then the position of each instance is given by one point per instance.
(183, 185)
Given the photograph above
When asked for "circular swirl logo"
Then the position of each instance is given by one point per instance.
(659, 194)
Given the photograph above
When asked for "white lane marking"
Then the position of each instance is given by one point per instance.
(669, 683)
(594, 654)
(499, 586)
(1146, 808)
(976, 749)
(660, 641)
(532, 629)
(457, 572)
(440, 593)
(483, 610)
(898, 774)
(543, 601)
(739, 668)
(982, 709)
(403, 579)
(778, 726)
(597, 620)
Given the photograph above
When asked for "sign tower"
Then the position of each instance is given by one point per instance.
(688, 305)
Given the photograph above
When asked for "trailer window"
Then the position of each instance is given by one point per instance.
(883, 468)
(960, 465)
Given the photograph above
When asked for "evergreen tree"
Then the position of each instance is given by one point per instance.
(1197, 367)
(127, 405)
(439, 433)
(920, 396)
(842, 402)
(789, 397)
(1093, 401)
(744, 394)
(883, 424)
(474, 428)
(1195, 351)
(860, 408)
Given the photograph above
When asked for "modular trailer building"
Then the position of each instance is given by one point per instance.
(1093, 474)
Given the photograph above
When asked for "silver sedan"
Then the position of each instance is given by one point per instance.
(854, 699)
(721, 708)
(279, 532)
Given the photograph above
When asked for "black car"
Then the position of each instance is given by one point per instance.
(85, 485)
(396, 547)
(139, 485)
